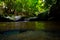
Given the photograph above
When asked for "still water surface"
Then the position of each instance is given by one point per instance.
(41, 30)
(40, 25)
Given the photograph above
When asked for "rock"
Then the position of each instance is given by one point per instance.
(2, 19)
(21, 19)
(40, 17)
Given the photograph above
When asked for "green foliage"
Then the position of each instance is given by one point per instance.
(29, 6)
(48, 3)
(44, 5)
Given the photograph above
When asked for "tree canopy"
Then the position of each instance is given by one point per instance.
(29, 6)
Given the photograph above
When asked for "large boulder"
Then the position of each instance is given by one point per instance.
(2, 19)
(41, 17)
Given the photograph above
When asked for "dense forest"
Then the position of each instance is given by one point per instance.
(30, 10)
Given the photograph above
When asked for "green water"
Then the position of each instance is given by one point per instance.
(37, 25)
(30, 35)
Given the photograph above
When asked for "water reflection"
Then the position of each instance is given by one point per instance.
(43, 30)
(41, 25)
(16, 25)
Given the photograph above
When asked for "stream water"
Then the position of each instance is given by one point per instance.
(36, 30)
